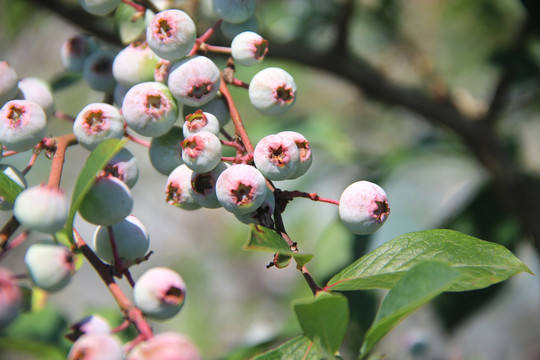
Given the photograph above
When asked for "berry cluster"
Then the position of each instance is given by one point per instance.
(164, 88)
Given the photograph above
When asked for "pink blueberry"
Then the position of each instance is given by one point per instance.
(166, 346)
(23, 124)
(96, 347)
(50, 265)
(178, 190)
(38, 91)
(150, 109)
(272, 91)
(200, 121)
(241, 189)
(97, 122)
(171, 34)
(159, 293)
(276, 157)
(92, 324)
(201, 152)
(203, 186)
(248, 48)
(134, 64)
(8, 82)
(363, 207)
(304, 149)
(194, 81)
(217, 107)
(263, 214)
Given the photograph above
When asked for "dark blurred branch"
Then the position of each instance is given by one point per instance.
(343, 26)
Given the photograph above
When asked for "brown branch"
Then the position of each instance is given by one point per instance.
(62, 143)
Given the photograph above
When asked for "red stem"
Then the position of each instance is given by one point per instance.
(203, 38)
(137, 7)
(289, 195)
(57, 165)
(137, 140)
(14, 243)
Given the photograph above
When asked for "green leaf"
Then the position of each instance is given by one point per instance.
(420, 285)
(9, 189)
(298, 348)
(324, 320)
(38, 349)
(95, 162)
(65, 80)
(481, 263)
(129, 26)
(265, 239)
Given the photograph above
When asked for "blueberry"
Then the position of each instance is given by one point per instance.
(241, 189)
(201, 152)
(99, 7)
(304, 149)
(130, 237)
(203, 186)
(50, 265)
(171, 34)
(23, 125)
(194, 81)
(166, 345)
(276, 157)
(123, 166)
(92, 324)
(76, 50)
(248, 48)
(38, 91)
(134, 64)
(272, 91)
(265, 210)
(363, 207)
(150, 109)
(217, 107)
(8, 83)
(160, 293)
(166, 152)
(97, 122)
(41, 208)
(230, 30)
(96, 347)
(107, 202)
(97, 70)
(234, 11)
(178, 190)
(200, 121)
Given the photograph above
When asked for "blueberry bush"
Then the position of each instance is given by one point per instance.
(222, 110)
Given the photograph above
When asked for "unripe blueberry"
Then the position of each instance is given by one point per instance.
(248, 48)
(234, 11)
(134, 64)
(97, 122)
(96, 347)
(203, 186)
(166, 152)
(76, 50)
(107, 202)
(99, 7)
(150, 109)
(97, 70)
(50, 265)
(130, 237)
(160, 293)
(276, 157)
(93, 324)
(8, 83)
(10, 298)
(201, 152)
(241, 189)
(17, 177)
(217, 107)
(272, 91)
(23, 125)
(200, 121)
(265, 210)
(119, 93)
(166, 346)
(38, 91)
(363, 207)
(178, 189)
(230, 30)
(41, 208)
(304, 149)
(171, 34)
(194, 81)
(123, 166)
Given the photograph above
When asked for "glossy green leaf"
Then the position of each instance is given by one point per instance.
(298, 348)
(9, 189)
(481, 263)
(95, 162)
(420, 285)
(129, 23)
(324, 320)
(265, 239)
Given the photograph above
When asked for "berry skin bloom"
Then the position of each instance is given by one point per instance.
(201, 152)
(363, 207)
(248, 48)
(178, 191)
(23, 125)
(97, 122)
(241, 189)
(50, 265)
(276, 157)
(171, 34)
(166, 346)
(272, 91)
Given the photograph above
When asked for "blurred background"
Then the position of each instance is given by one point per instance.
(413, 95)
